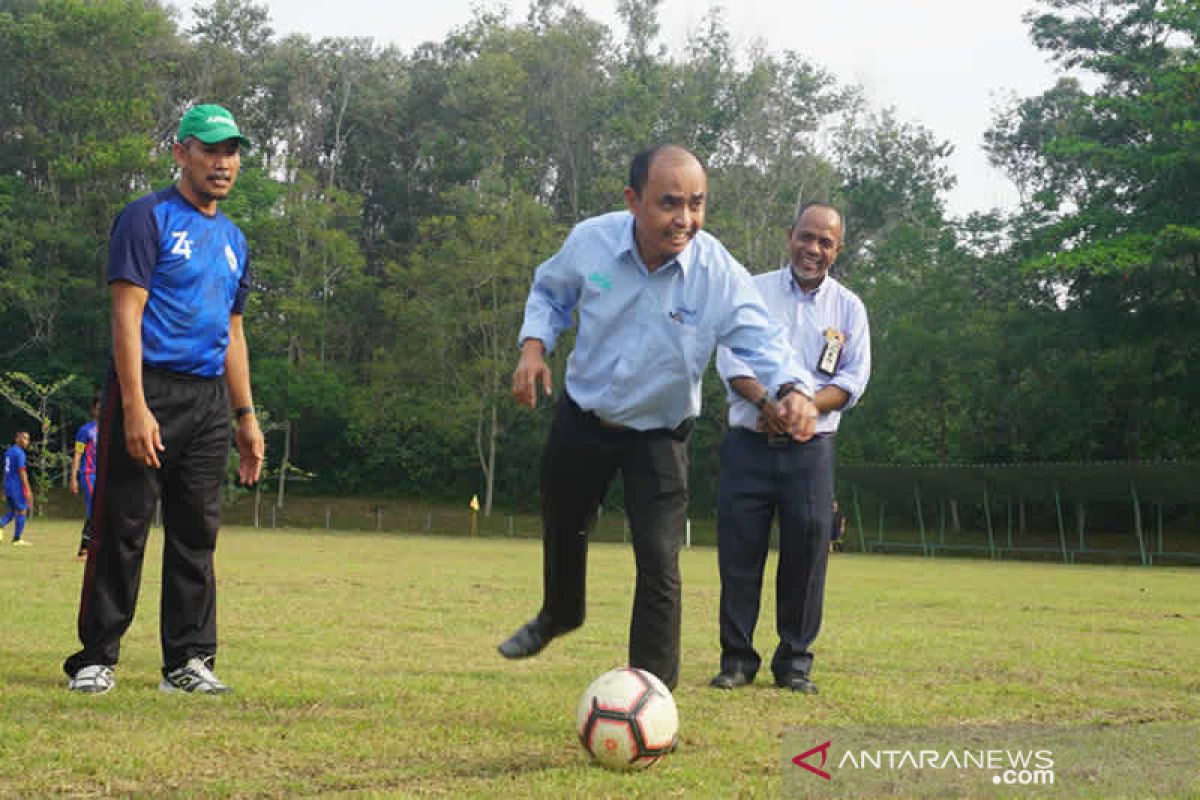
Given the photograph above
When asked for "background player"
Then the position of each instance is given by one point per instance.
(17, 493)
(83, 472)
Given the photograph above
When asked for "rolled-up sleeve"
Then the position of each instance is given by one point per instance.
(730, 366)
(854, 369)
(757, 345)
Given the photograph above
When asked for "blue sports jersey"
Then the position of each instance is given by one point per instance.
(14, 462)
(86, 436)
(197, 271)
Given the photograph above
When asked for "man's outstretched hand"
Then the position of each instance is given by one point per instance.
(531, 369)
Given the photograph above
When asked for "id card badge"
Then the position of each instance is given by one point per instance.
(834, 342)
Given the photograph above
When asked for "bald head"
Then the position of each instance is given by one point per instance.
(664, 154)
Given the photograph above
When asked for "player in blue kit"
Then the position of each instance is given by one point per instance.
(83, 472)
(179, 273)
(17, 493)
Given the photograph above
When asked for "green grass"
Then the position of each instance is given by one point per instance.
(365, 664)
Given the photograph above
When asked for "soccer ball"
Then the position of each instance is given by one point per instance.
(627, 719)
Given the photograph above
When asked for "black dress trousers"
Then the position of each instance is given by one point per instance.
(581, 457)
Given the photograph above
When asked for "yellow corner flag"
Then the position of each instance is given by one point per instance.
(474, 502)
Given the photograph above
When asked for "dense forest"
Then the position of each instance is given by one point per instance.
(397, 203)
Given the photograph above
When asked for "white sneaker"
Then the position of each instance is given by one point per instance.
(193, 677)
(93, 679)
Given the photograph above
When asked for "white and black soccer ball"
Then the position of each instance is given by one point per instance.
(627, 719)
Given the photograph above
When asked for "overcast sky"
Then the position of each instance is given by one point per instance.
(942, 63)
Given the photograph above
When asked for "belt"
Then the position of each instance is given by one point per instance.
(612, 426)
(777, 440)
(680, 432)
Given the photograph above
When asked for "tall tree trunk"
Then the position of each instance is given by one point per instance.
(490, 482)
(486, 453)
(283, 462)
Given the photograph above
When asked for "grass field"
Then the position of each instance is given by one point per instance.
(365, 664)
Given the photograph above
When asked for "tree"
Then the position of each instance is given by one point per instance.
(770, 157)
(233, 38)
(473, 271)
(307, 268)
(894, 180)
(33, 398)
(641, 30)
(83, 100)
(1109, 159)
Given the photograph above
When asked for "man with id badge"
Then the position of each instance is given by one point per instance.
(765, 473)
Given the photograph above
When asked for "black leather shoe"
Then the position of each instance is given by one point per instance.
(797, 682)
(730, 680)
(529, 640)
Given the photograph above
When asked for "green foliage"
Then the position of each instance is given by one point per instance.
(397, 204)
(1112, 177)
(469, 279)
(1123, 157)
(83, 85)
(33, 398)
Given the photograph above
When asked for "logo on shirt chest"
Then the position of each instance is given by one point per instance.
(600, 280)
(183, 245)
(231, 257)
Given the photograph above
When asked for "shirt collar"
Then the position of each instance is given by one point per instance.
(798, 292)
(629, 245)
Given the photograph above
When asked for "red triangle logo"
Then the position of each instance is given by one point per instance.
(823, 749)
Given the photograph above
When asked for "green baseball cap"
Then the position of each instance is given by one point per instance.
(210, 124)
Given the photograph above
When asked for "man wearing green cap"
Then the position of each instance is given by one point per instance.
(179, 272)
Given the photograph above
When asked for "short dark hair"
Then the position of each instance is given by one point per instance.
(820, 204)
(639, 168)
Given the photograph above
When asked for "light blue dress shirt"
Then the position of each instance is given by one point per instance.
(645, 338)
(806, 316)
